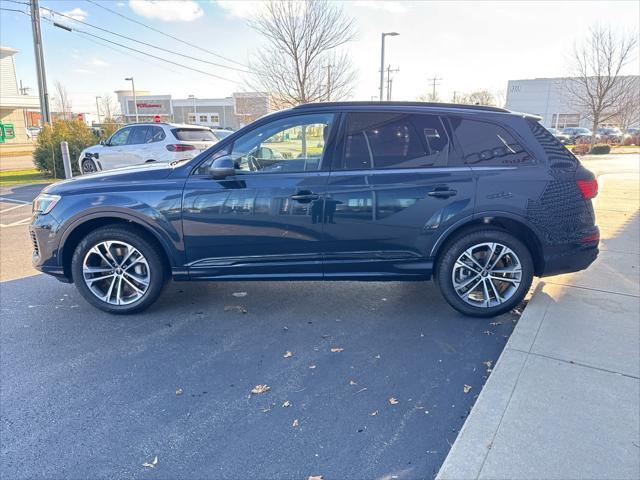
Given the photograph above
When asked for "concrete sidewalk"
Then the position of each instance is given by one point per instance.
(563, 401)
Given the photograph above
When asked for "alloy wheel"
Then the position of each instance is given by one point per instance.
(116, 272)
(487, 274)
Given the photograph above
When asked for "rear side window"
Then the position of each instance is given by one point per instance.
(156, 134)
(487, 144)
(194, 134)
(392, 140)
(559, 156)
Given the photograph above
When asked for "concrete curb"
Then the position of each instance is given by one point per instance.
(469, 452)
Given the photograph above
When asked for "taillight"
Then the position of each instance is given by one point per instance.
(180, 147)
(594, 237)
(589, 188)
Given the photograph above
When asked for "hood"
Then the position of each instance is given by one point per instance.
(147, 172)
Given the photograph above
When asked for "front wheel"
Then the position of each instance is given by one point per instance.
(89, 166)
(485, 273)
(118, 270)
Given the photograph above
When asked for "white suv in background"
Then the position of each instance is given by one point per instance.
(147, 142)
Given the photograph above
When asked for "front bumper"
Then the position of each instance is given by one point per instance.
(46, 256)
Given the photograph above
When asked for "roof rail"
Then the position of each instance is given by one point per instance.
(402, 104)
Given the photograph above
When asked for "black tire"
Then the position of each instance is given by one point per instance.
(135, 238)
(455, 248)
(89, 166)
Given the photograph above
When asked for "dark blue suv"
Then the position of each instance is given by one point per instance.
(478, 198)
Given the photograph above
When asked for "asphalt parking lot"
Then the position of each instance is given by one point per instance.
(89, 395)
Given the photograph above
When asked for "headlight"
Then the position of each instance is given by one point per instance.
(44, 203)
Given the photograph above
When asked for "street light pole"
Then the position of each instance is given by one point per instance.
(39, 55)
(98, 108)
(391, 34)
(135, 100)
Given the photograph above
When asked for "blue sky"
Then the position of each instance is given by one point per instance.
(469, 45)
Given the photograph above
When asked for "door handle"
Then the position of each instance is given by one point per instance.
(305, 196)
(442, 192)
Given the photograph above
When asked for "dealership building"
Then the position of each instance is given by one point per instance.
(231, 112)
(549, 99)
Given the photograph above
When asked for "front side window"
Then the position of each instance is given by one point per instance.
(393, 140)
(120, 137)
(485, 143)
(293, 144)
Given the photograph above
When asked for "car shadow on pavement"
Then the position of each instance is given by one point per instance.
(87, 394)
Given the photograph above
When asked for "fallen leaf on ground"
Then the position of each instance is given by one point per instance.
(288, 354)
(312, 366)
(295, 423)
(315, 477)
(377, 356)
(393, 401)
(467, 388)
(286, 404)
(361, 390)
(260, 389)
(179, 391)
(239, 294)
(487, 332)
(373, 414)
(235, 308)
(488, 363)
(336, 349)
(352, 382)
(153, 463)
(265, 410)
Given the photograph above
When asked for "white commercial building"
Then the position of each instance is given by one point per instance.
(549, 99)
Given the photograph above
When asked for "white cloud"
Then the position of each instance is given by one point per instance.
(386, 5)
(167, 10)
(241, 9)
(96, 62)
(82, 71)
(77, 14)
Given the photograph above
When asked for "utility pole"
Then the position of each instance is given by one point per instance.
(98, 108)
(328, 67)
(434, 81)
(39, 55)
(390, 81)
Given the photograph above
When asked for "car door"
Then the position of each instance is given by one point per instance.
(112, 155)
(391, 194)
(137, 150)
(266, 220)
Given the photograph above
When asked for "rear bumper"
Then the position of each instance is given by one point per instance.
(570, 258)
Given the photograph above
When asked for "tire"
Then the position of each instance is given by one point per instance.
(118, 270)
(505, 276)
(88, 166)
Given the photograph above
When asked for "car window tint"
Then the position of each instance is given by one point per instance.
(138, 135)
(194, 134)
(156, 135)
(120, 137)
(392, 140)
(292, 144)
(485, 143)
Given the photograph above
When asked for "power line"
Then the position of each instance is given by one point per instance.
(145, 43)
(75, 30)
(167, 34)
(14, 10)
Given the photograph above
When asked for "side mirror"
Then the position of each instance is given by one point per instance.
(103, 143)
(222, 168)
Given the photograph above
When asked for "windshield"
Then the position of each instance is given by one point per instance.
(194, 134)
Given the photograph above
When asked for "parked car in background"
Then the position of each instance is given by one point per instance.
(610, 135)
(221, 133)
(576, 134)
(562, 137)
(33, 131)
(147, 142)
(478, 199)
(632, 136)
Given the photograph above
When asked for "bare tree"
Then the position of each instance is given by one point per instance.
(597, 84)
(477, 97)
(628, 111)
(109, 107)
(300, 61)
(62, 101)
(430, 97)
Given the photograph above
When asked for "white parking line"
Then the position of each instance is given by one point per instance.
(24, 221)
(14, 207)
(13, 200)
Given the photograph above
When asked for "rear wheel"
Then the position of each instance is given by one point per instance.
(485, 273)
(117, 270)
